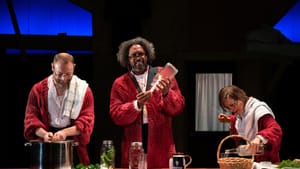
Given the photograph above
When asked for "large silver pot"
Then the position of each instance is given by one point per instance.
(51, 155)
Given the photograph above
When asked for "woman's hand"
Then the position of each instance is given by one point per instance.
(223, 118)
(257, 146)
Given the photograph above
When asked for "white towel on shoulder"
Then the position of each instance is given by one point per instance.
(75, 97)
(247, 124)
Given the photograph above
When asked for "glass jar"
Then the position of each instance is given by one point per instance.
(137, 158)
(107, 155)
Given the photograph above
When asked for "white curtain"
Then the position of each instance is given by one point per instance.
(206, 100)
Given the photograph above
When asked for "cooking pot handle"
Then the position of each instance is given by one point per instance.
(30, 144)
(27, 144)
(75, 143)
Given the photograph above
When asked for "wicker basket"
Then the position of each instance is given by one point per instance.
(234, 162)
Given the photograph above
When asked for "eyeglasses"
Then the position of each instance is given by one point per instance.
(231, 106)
(135, 55)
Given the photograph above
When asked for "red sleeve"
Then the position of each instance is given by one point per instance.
(86, 118)
(85, 123)
(122, 96)
(270, 130)
(232, 119)
(174, 102)
(36, 112)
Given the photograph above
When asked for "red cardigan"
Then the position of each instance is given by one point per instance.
(270, 130)
(160, 112)
(37, 115)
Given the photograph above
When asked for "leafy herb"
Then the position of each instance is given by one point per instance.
(288, 163)
(106, 159)
(91, 166)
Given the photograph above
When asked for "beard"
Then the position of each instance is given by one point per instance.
(139, 67)
(60, 84)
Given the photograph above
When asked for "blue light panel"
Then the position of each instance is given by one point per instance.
(6, 26)
(46, 17)
(289, 25)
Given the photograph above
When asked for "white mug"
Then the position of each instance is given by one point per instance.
(180, 161)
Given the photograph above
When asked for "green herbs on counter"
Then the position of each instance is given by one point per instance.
(289, 163)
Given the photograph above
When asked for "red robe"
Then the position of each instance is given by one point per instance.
(37, 115)
(160, 112)
(270, 130)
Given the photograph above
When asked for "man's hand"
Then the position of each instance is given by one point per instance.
(59, 136)
(143, 97)
(48, 137)
(42, 133)
(164, 86)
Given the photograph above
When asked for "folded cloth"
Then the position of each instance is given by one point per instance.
(75, 97)
(254, 110)
(264, 165)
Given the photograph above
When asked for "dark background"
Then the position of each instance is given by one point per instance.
(196, 36)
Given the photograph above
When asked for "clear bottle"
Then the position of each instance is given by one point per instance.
(244, 150)
(107, 155)
(168, 72)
